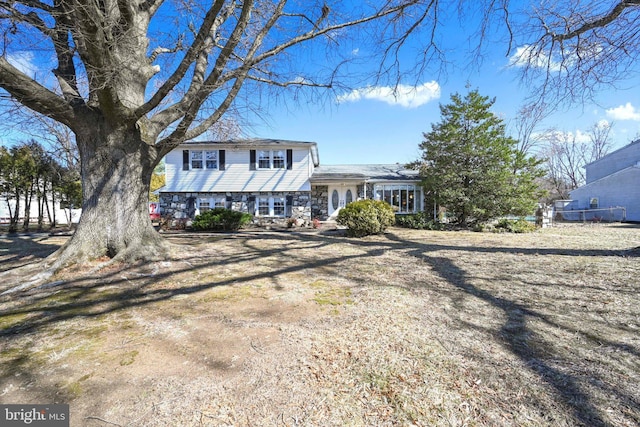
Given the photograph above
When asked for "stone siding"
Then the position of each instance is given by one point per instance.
(182, 206)
(320, 202)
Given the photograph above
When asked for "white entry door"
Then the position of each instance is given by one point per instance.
(339, 197)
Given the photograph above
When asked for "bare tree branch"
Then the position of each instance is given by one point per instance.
(594, 24)
(33, 95)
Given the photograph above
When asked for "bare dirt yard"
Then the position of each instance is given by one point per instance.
(408, 328)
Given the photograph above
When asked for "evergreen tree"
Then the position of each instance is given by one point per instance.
(471, 167)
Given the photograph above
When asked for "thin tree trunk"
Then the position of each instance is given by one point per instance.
(13, 224)
(28, 197)
(40, 205)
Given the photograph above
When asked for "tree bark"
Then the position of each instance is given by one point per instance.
(116, 173)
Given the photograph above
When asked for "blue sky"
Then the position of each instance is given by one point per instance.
(371, 125)
(381, 128)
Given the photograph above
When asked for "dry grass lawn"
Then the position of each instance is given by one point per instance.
(315, 329)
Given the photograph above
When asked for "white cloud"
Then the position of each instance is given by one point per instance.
(403, 95)
(23, 61)
(624, 112)
(529, 56)
(561, 135)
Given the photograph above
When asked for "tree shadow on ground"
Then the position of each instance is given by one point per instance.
(525, 343)
(121, 289)
(18, 250)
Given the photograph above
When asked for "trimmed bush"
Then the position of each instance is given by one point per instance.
(418, 221)
(366, 217)
(220, 219)
(514, 226)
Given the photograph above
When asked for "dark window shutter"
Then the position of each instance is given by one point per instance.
(289, 159)
(221, 159)
(252, 160)
(185, 160)
(251, 204)
(289, 206)
(228, 202)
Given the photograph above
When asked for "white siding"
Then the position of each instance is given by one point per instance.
(618, 189)
(620, 159)
(237, 176)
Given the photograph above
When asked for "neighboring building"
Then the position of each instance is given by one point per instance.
(276, 179)
(612, 186)
(61, 215)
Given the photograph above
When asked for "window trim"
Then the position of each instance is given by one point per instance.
(261, 159)
(205, 154)
(271, 205)
(189, 157)
(285, 160)
(192, 159)
(393, 193)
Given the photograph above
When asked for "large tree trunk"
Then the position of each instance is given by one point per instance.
(116, 173)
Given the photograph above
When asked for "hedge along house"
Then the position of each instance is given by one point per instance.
(275, 180)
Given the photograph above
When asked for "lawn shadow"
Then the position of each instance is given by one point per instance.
(18, 250)
(519, 338)
(121, 289)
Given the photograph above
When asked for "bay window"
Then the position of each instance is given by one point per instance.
(404, 198)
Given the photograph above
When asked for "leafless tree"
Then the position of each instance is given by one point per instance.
(568, 153)
(571, 50)
(600, 139)
(566, 157)
(132, 79)
(526, 125)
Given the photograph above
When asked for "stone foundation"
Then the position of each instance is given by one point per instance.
(182, 206)
(320, 202)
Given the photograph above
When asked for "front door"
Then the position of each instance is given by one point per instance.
(339, 197)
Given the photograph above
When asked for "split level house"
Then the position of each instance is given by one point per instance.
(612, 186)
(277, 179)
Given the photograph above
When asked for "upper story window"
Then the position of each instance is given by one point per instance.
(211, 158)
(264, 159)
(271, 159)
(196, 159)
(278, 160)
(203, 159)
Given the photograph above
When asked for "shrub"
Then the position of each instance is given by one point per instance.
(220, 219)
(366, 217)
(514, 226)
(418, 221)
